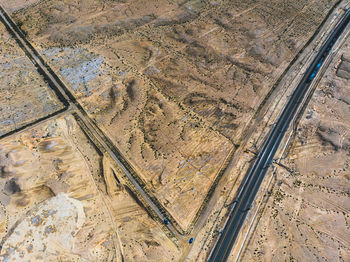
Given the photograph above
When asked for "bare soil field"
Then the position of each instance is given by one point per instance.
(15, 5)
(25, 96)
(59, 203)
(141, 237)
(173, 83)
(307, 216)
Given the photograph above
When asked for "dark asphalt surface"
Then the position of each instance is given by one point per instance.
(255, 175)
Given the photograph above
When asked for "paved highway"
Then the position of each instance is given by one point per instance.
(255, 175)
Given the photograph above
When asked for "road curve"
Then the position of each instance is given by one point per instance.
(256, 173)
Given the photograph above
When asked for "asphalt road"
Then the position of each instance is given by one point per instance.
(255, 175)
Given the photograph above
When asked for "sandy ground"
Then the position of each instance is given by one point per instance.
(25, 96)
(174, 84)
(169, 82)
(59, 203)
(51, 204)
(15, 5)
(307, 215)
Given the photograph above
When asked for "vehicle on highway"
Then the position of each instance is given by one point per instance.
(258, 170)
(249, 207)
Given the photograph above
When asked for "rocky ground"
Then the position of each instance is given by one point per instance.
(15, 5)
(25, 96)
(58, 202)
(173, 84)
(308, 213)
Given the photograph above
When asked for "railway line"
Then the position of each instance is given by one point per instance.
(253, 179)
(84, 120)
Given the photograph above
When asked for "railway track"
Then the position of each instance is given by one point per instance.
(84, 120)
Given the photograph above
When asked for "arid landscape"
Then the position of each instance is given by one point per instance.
(150, 123)
(25, 96)
(162, 80)
(57, 200)
(307, 215)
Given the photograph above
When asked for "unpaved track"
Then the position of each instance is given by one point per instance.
(64, 94)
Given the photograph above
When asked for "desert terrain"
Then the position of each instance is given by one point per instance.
(174, 85)
(25, 96)
(307, 216)
(58, 202)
